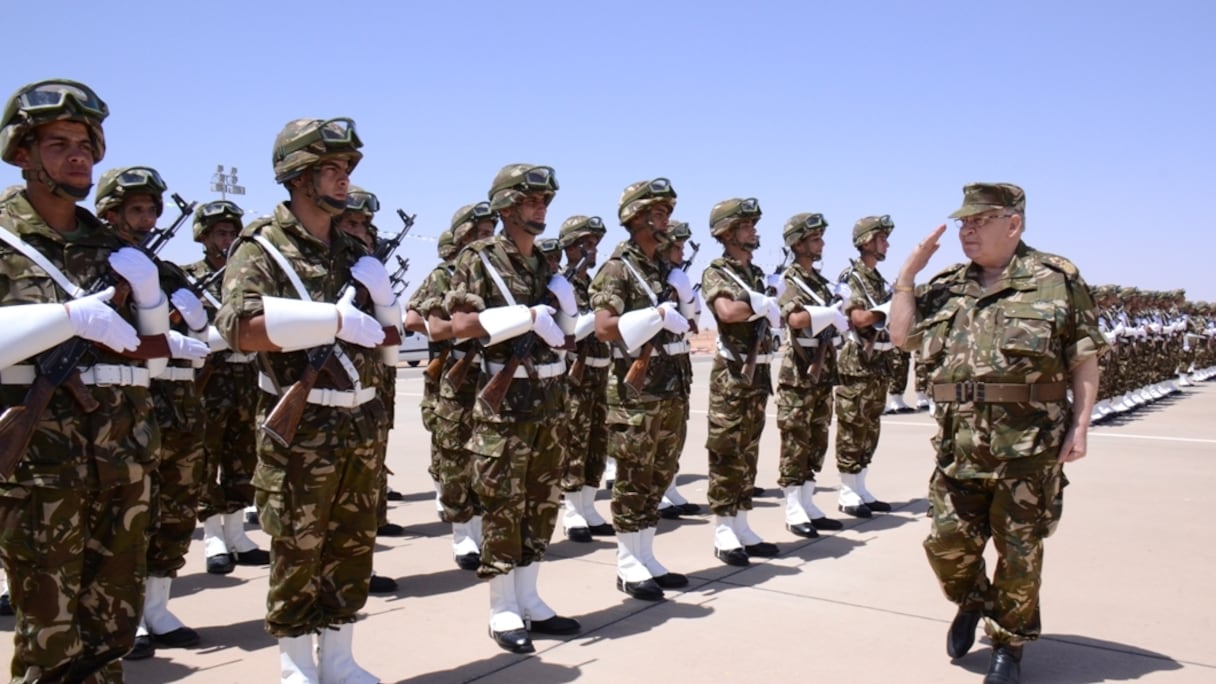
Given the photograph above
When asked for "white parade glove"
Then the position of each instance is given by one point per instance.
(191, 309)
(672, 320)
(841, 320)
(843, 291)
(679, 281)
(698, 303)
(356, 327)
(185, 347)
(759, 304)
(584, 326)
(215, 342)
(371, 274)
(775, 281)
(545, 327)
(138, 270)
(564, 292)
(773, 312)
(97, 321)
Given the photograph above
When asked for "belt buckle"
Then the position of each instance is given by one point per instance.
(971, 391)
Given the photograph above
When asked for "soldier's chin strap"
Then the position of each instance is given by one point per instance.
(329, 205)
(39, 174)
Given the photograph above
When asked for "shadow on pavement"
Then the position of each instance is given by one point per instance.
(1074, 659)
(503, 668)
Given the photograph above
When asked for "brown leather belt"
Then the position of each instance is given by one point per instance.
(999, 392)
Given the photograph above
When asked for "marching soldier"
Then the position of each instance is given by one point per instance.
(229, 385)
(76, 505)
(863, 367)
(316, 490)
(130, 200)
(453, 399)
(587, 415)
(808, 373)
(735, 292)
(497, 296)
(636, 296)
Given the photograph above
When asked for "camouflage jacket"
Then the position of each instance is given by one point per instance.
(117, 443)
(1033, 326)
(527, 278)
(859, 357)
(616, 289)
(590, 347)
(737, 338)
(794, 369)
(324, 270)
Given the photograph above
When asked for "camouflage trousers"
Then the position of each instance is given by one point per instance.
(586, 427)
(381, 448)
(644, 440)
(177, 483)
(804, 416)
(230, 438)
(517, 469)
(1018, 514)
(901, 365)
(451, 461)
(317, 501)
(76, 564)
(736, 421)
(859, 405)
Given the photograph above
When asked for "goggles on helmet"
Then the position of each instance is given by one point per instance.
(141, 177)
(548, 245)
(219, 209)
(539, 178)
(339, 132)
(364, 202)
(659, 187)
(52, 96)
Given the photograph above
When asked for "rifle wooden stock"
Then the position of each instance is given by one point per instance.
(579, 365)
(495, 391)
(749, 366)
(459, 371)
(18, 423)
(434, 368)
(816, 369)
(204, 376)
(150, 347)
(283, 420)
(392, 336)
(635, 377)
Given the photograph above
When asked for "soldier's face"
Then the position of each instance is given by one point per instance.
(483, 229)
(333, 178)
(531, 211)
(745, 234)
(675, 253)
(878, 246)
(219, 238)
(989, 239)
(66, 153)
(357, 225)
(139, 213)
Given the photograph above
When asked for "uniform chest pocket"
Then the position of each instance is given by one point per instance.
(1028, 331)
(937, 333)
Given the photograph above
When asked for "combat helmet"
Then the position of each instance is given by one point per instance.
(467, 217)
(212, 213)
(118, 184)
(514, 180)
(865, 229)
(723, 214)
(304, 142)
(801, 226)
(578, 227)
(639, 196)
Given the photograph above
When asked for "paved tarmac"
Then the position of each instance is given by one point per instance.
(1127, 590)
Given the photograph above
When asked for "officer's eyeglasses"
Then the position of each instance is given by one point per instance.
(978, 222)
(363, 202)
(50, 96)
(219, 209)
(142, 177)
(539, 178)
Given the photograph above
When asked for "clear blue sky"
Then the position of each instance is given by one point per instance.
(1102, 111)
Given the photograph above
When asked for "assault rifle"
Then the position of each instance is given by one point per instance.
(59, 366)
(495, 391)
(283, 420)
(202, 287)
(635, 377)
(763, 327)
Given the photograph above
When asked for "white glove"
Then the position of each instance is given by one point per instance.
(844, 291)
(191, 309)
(97, 321)
(371, 274)
(544, 326)
(672, 320)
(773, 312)
(842, 321)
(564, 292)
(775, 281)
(356, 327)
(678, 279)
(138, 270)
(185, 347)
(1119, 330)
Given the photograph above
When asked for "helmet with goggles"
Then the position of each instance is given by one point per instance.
(576, 228)
(467, 217)
(865, 229)
(305, 142)
(361, 201)
(515, 180)
(127, 181)
(215, 212)
(45, 101)
(639, 196)
(723, 215)
(801, 226)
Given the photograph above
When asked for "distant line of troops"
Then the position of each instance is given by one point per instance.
(538, 377)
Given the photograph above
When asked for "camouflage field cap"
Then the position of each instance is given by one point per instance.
(515, 180)
(865, 229)
(467, 217)
(447, 245)
(578, 227)
(723, 214)
(40, 103)
(639, 196)
(304, 142)
(361, 201)
(215, 212)
(981, 197)
(118, 184)
(800, 226)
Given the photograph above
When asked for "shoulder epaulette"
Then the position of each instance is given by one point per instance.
(1057, 263)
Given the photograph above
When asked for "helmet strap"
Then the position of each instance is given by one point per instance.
(38, 173)
(329, 205)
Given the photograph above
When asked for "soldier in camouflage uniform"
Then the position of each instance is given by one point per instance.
(497, 295)
(863, 367)
(229, 384)
(356, 221)
(130, 200)
(636, 296)
(586, 426)
(74, 513)
(1007, 334)
(735, 292)
(815, 326)
(451, 416)
(673, 504)
(316, 496)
